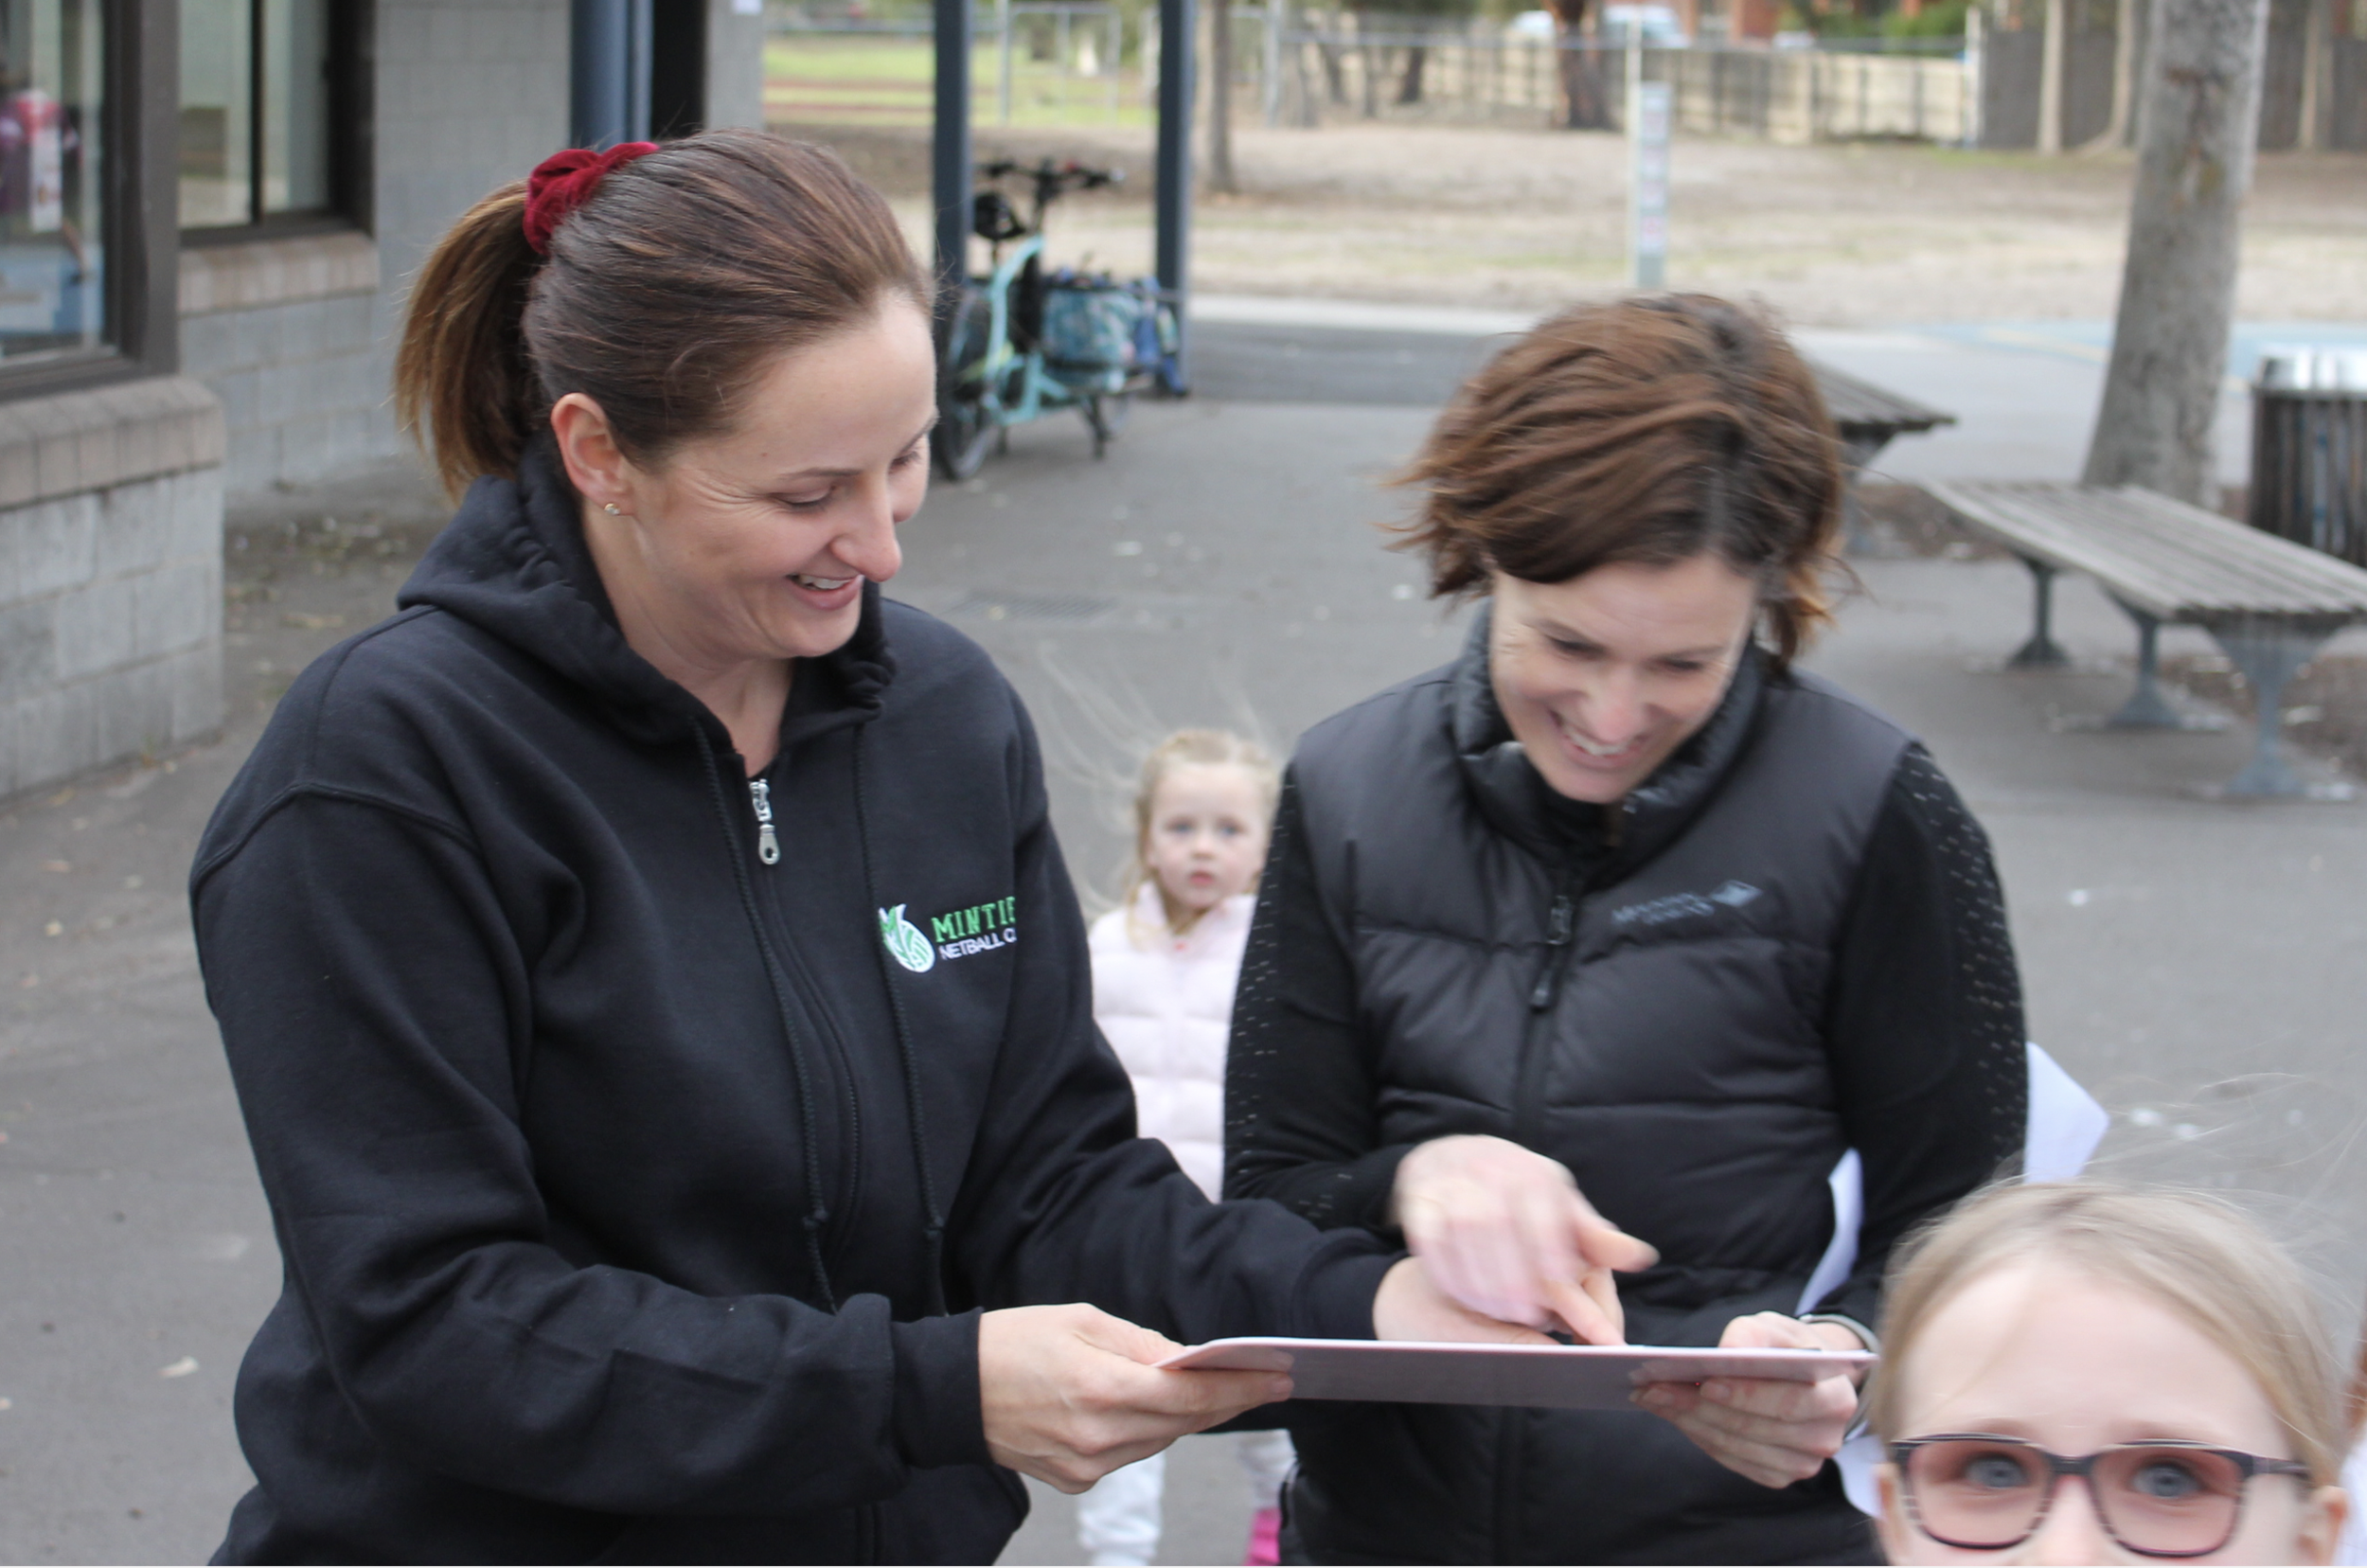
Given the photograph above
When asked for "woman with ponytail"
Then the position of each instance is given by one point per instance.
(659, 1010)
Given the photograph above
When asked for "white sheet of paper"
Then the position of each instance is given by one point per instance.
(1560, 1377)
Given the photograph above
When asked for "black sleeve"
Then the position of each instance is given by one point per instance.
(1924, 1021)
(1299, 1089)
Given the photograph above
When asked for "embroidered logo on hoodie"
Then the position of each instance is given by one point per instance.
(906, 944)
(956, 934)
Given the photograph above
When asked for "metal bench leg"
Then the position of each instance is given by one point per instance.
(2146, 708)
(2269, 653)
(2041, 651)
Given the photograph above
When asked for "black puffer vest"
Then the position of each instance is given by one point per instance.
(1639, 994)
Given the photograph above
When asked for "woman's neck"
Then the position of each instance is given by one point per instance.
(746, 695)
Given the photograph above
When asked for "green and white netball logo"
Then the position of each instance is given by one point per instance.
(905, 943)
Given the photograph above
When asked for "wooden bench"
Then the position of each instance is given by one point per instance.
(1869, 417)
(2269, 604)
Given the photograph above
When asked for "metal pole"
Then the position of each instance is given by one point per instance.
(1113, 64)
(637, 78)
(1002, 33)
(949, 151)
(599, 73)
(1648, 115)
(1176, 23)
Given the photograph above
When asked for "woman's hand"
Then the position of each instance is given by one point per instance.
(1773, 1431)
(1069, 1395)
(1410, 1306)
(1505, 1232)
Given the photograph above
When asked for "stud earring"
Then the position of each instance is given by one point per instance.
(610, 508)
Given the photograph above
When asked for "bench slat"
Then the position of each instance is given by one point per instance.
(2172, 561)
(1862, 405)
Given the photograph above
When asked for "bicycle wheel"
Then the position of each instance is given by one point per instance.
(966, 418)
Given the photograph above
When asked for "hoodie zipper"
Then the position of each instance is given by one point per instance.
(768, 845)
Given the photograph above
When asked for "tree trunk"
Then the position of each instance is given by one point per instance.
(2054, 44)
(2199, 123)
(1583, 105)
(1221, 97)
(1409, 84)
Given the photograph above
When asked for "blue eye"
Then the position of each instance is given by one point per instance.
(1997, 1472)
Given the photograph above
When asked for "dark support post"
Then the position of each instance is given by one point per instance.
(2040, 651)
(608, 76)
(2146, 708)
(949, 154)
(1178, 30)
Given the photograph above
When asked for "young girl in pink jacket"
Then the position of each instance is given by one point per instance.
(1165, 963)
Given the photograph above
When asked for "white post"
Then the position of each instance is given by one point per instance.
(1003, 79)
(1647, 119)
(1276, 13)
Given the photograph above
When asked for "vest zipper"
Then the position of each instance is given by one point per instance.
(1528, 1107)
(768, 847)
(1561, 922)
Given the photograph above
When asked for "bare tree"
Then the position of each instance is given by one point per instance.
(2198, 125)
(1585, 106)
(2127, 40)
(1221, 176)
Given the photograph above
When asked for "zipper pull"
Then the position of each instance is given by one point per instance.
(1561, 925)
(768, 845)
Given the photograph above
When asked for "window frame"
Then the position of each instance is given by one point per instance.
(139, 192)
(351, 26)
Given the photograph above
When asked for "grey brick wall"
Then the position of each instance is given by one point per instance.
(110, 577)
(302, 387)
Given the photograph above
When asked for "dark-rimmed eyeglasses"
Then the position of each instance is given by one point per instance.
(2165, 1500)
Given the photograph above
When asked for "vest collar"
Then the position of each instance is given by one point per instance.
(1517, 802)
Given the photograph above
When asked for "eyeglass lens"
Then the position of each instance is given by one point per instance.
(1992, 1493)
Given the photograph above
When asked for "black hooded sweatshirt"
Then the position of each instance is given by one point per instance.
(641, 1167)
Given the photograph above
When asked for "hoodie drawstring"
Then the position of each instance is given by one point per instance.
(818, 1213)
(934, 1219)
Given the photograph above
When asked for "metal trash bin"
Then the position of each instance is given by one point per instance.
(2309, 450)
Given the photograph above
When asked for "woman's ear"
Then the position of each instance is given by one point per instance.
(2323, 1516)
(601, 473)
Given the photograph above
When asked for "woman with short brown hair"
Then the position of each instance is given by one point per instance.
(1620, 917)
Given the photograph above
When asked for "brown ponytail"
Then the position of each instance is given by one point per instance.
(662, 299)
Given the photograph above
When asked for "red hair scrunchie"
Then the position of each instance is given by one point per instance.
(564, 181)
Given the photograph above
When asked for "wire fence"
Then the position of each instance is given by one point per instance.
(1080, 61)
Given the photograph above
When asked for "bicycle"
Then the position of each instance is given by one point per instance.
(1022, 342)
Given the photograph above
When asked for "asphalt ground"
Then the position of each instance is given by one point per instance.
(2192, 962)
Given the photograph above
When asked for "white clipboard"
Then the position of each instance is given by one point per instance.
(1555, 1377)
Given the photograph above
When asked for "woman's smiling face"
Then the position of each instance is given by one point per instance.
(754, 544)
(1602, 677)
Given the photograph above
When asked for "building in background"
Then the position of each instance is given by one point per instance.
(209, 209)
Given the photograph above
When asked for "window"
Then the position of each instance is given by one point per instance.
(53, 239)
(260, 132)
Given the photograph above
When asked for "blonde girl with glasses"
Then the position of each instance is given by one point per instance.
(2080, 1373)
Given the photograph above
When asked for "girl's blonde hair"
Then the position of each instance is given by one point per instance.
(2191, 1253)
(1189, 748)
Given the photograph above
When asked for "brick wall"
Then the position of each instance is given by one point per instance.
(110, 577)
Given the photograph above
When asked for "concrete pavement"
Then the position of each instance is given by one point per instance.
(2192, 962)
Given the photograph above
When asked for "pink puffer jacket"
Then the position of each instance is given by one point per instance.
(1167, 1005)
